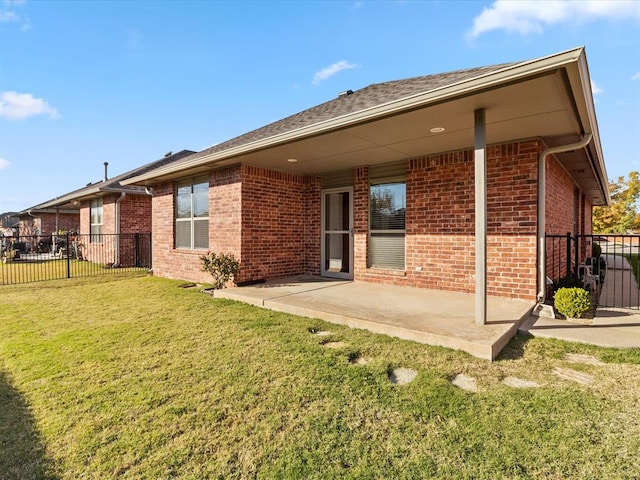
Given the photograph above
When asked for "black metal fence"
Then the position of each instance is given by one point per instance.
(36, 258)
(607, 264)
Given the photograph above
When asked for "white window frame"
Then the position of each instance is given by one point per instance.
(192, 220)
(390, 233)
(97, 223)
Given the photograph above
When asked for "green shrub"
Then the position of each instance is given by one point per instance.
(596, 250)
(222, 267)
(572, 302)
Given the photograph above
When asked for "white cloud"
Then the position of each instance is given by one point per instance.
(595, 89)
(331, 71)
(16, 106)
(8, 14)
(636, 76)
(4, 163)
(527, 16)
(8, 17)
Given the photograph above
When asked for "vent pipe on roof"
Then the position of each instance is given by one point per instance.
(106, 164)
(345, 93)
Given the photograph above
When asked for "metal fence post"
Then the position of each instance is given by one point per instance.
(568, 257)
(576, 254)
(68, 256)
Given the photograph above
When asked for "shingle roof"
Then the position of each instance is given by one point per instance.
(372, 96)
(114, 183)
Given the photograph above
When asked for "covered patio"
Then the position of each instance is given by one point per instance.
(433, 317)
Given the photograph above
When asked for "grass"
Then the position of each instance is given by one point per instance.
(36, 271)
(132, 377)
(634, 261)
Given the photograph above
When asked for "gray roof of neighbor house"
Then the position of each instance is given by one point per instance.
(110, 185)
(547, 98)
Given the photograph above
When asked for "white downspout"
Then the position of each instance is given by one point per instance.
(117, 229)
(542, 189)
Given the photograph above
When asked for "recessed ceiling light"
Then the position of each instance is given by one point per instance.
(437, 130)
(292, 160)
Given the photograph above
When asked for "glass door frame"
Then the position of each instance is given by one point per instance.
(324, 233)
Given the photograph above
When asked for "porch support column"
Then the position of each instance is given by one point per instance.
(480, 162)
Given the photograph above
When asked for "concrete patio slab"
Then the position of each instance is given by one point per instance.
(432, 317)
(612, 327)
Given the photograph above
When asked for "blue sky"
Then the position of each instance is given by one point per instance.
(125, 82)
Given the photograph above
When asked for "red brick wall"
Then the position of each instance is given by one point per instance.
(440, 223)
(560, 217)
(274, 223)
(271, 221)
(66, 222)
(311, 196)
(361, 224)
(560, 201)
(167, 261)
(135, 214)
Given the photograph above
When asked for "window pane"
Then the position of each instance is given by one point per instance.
(336, 212)
(387, 225)
(183, 234)
(388, 205)
(386, 250)
(201, 199)
(183, 202)
(201, 234)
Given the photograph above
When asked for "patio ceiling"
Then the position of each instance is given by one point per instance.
(549, 98)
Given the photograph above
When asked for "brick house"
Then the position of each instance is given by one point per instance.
(395, 182)
(109, 214)
(37, 221)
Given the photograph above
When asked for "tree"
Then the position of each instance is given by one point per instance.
(622, 215)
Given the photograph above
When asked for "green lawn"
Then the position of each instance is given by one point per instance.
(21, 271)
(133, 377)
(635, 264)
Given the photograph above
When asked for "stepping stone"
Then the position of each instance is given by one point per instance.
(572, 375)
(402, 376)
(322, 333)
(335, 344)
(579, 358)
(516, 382)
(465, 382)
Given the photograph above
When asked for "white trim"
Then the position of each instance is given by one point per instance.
(323, 271)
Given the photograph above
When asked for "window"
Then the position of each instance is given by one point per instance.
(96, 220)
(387, 205)
(192, 214)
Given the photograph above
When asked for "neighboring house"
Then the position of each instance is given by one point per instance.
(9, 223)
(395, 182)
(110, 214)
(39, 221)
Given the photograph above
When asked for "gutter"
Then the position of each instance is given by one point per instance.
(542, 190)
(117, 230)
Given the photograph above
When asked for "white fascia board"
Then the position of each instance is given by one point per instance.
(490, 80)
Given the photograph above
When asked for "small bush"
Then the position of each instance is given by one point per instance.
(596, 250)
(572, 302)
(222, 267)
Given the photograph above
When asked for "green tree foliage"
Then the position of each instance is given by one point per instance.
(622, 215)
